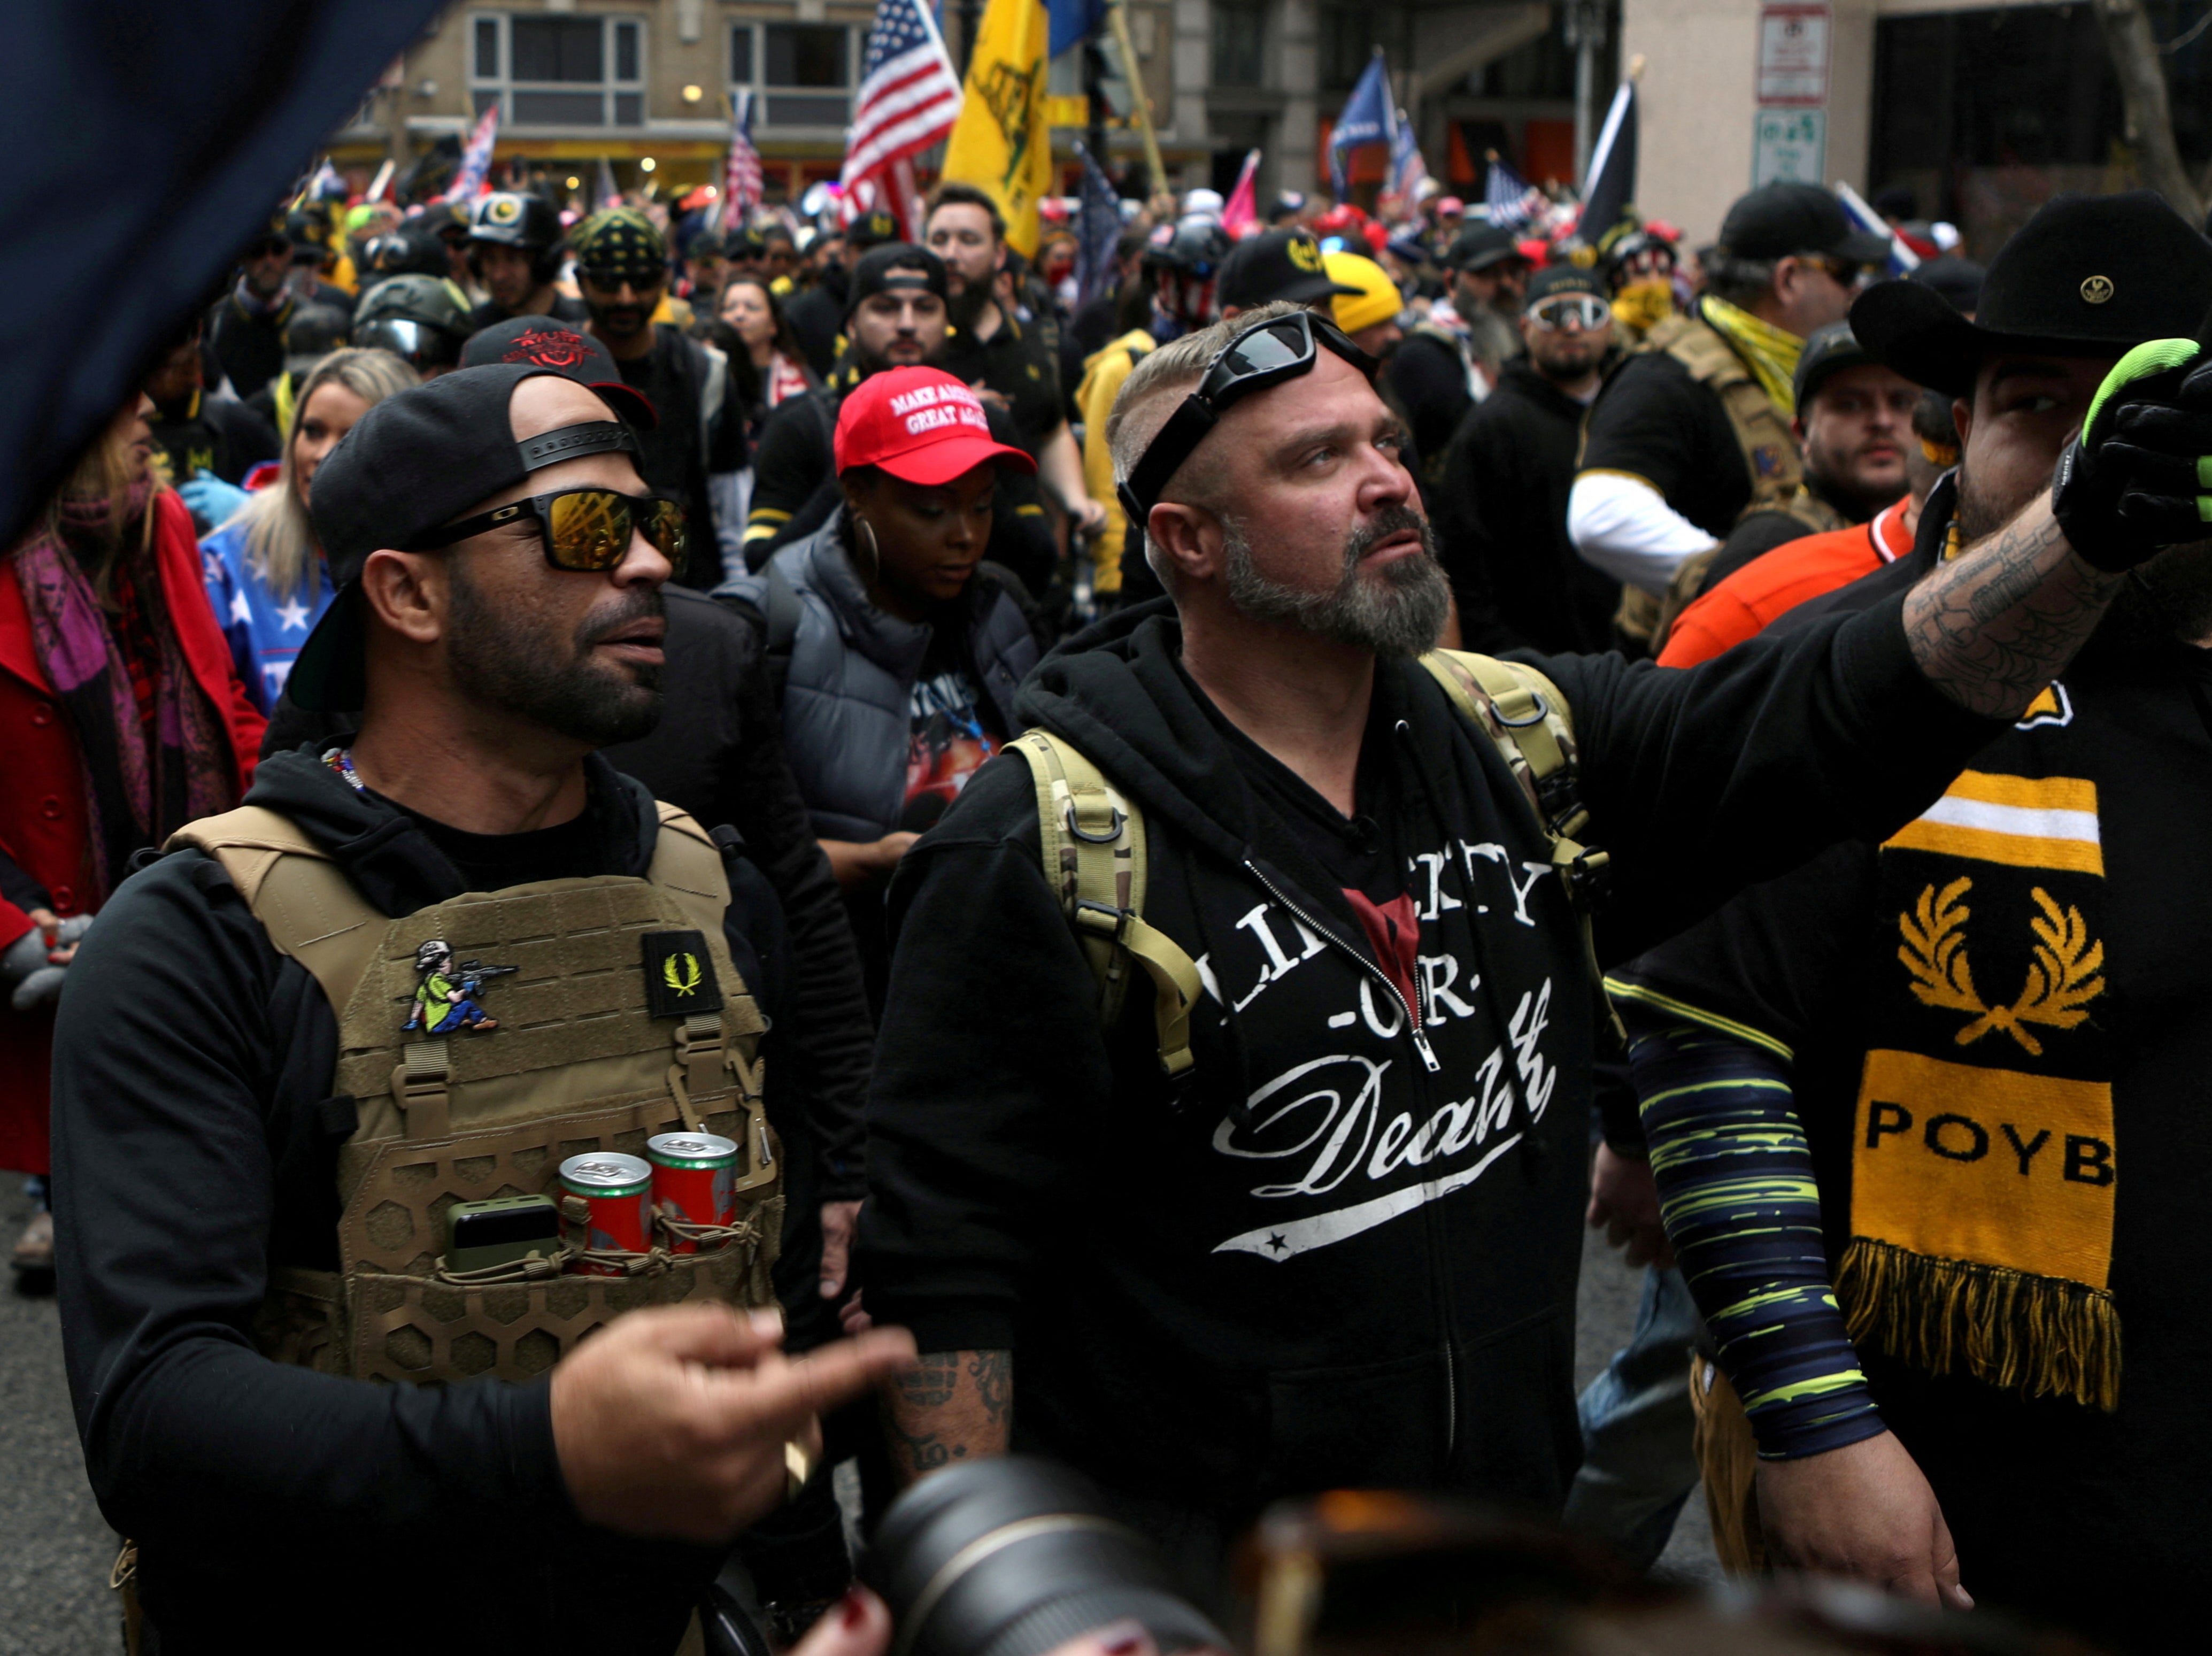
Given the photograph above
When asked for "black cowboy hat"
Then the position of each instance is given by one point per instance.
(2088, 276)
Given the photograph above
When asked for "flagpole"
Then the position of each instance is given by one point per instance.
(1119, 19)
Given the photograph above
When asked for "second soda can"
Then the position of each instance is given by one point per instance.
(695, 1178)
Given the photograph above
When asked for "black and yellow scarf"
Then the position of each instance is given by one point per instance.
(1983, 1148)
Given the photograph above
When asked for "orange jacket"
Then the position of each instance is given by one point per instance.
(1771, 585)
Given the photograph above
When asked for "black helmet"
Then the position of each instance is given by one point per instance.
(311, 333)
(1193, 247)
(1638, 246)
(514, 220)
(413, 249)
(422, 319)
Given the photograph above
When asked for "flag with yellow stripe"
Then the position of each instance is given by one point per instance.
(1002, 143)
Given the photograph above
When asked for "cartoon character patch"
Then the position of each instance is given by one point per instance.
(446, 997)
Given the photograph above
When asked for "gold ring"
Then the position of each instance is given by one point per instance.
(798, 1467)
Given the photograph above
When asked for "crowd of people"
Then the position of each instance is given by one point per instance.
(1110, 819)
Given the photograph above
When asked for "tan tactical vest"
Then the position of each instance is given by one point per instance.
(1771, 455)
(579, 1063)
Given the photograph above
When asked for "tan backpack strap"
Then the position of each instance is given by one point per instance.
(1530, 723)
(1094, 858)
(309, 910)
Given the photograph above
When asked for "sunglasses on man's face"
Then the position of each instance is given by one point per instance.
(586, 531)
(1842, 271)
(1583, 311)
(609, 277)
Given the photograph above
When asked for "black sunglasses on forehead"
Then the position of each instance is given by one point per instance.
(1263, 355)
(585, 530)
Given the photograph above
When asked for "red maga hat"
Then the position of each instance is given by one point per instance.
(919, 425)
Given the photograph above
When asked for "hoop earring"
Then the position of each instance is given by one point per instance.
(872, 558)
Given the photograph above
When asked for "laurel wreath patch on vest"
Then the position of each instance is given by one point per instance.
(679, 975)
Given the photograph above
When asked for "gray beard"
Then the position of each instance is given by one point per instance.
(1398, 614)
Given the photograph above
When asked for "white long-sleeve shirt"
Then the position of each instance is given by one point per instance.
(1623, 526)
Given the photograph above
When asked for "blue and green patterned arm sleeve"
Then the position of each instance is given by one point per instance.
(1737, 1191)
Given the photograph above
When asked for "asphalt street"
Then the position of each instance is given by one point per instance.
(55, 1552)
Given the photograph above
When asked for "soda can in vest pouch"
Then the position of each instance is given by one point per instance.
(695, 1178)
(618, 1190)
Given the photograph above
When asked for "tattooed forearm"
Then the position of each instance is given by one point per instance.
(953, 1405)
(1994, 625)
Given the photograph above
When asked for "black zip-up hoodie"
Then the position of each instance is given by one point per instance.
(1344, 1251)
(195, 1149)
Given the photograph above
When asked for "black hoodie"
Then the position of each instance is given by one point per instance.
(1340, 1253)
(195, 1146)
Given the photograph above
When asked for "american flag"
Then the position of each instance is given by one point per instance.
(1407, 169)
(741, 177)
(1513, 200)
(910, 98)
(473, 177)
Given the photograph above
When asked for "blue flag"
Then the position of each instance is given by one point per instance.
(1073, 22)
(1512, 201)
(1099, 233)
(1369, 117)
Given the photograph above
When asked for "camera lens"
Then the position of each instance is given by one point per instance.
(1013, 1557)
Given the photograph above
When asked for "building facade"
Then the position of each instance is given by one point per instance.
(1983, 109)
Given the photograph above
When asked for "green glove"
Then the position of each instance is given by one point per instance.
(2138, 477)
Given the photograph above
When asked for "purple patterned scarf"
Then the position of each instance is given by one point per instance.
(143, 778)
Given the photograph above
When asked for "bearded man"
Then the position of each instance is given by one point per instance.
(1328, 1235)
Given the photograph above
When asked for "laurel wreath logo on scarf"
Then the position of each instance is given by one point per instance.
(2064, 976)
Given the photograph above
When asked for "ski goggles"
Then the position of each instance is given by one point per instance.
(1578, 310)
(586, 531)
(1263, 356)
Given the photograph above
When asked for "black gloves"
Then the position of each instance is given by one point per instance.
(2139, 476)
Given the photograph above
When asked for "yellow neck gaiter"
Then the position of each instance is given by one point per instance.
(1770, 353)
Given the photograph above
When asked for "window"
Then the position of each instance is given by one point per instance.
(805, 71)
(1342, 38)
(559, 70)
(1237, 34)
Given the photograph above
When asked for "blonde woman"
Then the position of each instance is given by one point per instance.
(264, 572)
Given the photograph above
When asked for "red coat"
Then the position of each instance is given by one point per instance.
(42, 816)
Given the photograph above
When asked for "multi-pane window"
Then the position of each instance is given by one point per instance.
(554, 71)
(803, 73)
(1238, 31)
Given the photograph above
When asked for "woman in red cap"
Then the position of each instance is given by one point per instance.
(901, 648)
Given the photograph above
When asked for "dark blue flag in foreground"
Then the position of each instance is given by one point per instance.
(149, 139)
(1099, 234)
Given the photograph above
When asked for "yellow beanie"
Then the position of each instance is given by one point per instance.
(1378, 300)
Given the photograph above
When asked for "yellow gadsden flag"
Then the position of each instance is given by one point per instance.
(1001, 144)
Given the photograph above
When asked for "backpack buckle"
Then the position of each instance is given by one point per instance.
(1587, 876)
(1099, 918)
(1112, 832)
(1542, 712)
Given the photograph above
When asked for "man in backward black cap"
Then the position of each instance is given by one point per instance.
(1694, 430)
(247, 1194)
(818, 315)
(1963, 1068)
